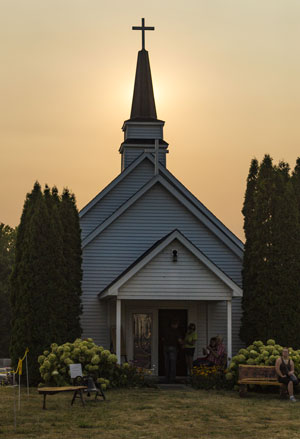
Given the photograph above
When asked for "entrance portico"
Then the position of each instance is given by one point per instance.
(158, 281)
(211, 318)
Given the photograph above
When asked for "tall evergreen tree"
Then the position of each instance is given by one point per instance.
(30, 284)
(271, 265)
(260, 301)
(7, 250)
(249, 261)
(57, 284)
(72, 255)
(45, 305)
(285, 262)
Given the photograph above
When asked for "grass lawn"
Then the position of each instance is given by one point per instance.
(151, 413)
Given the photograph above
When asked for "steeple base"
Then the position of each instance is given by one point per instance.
(131, 149)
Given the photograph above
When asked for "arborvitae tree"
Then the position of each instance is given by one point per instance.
(72, 254)
(263, 298)
(30, 284)
(57, 284)
(249, 261)
(272, 265)
(7, 250)
(45, 306)
(285, 262)
(260, 301)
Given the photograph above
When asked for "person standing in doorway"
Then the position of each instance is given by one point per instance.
(189, 347)
(172, 340)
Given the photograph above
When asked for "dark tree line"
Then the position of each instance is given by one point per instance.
(271, 268)
(46, 278)
(7, 254)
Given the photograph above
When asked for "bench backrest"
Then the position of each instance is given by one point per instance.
(257, 372)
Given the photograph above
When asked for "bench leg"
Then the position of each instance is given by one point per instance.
(243, 390)
(102, 393)
(74, 396)
(78, 394)
(44, 403)
(81, 396)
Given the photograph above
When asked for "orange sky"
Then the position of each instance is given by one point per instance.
(226, 81)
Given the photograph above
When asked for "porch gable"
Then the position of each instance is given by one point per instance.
(173, 269)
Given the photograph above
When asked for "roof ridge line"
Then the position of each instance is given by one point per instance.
(181, 198)
(151, 182)
(113, 183)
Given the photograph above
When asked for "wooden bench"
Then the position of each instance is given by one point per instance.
(53, 390)
(261, 375)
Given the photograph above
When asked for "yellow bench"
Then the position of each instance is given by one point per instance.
(53, 390)
(261, 375)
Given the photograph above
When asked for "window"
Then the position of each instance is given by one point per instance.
(142, 340)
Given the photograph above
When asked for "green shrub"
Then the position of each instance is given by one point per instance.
(260, 354)
(96, 361)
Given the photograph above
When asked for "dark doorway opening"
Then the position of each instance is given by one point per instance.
(165, 316)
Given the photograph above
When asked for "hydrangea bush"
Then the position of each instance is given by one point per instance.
(260, 354)
(95, 361)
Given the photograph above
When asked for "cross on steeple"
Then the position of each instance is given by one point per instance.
(143, 28)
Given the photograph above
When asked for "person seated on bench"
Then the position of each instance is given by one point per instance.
(284, 367)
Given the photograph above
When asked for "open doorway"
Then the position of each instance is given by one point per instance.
(165, 316)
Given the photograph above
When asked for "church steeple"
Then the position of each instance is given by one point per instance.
(143, 103)
(143, 127)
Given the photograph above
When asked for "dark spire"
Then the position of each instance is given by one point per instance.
(143, 104)
(143, 131)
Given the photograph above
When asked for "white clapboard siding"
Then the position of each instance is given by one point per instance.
(153, 216)
(94, 318)
(237, 312)
(217, 320)
(140, 131)
(131, 154)
(116, 197)
(186, 279)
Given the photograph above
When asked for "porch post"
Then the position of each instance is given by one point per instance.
(118, 331)
(229, 329)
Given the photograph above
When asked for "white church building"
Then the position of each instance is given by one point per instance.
(153, 252)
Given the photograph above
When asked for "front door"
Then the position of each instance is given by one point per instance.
(165, 316)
